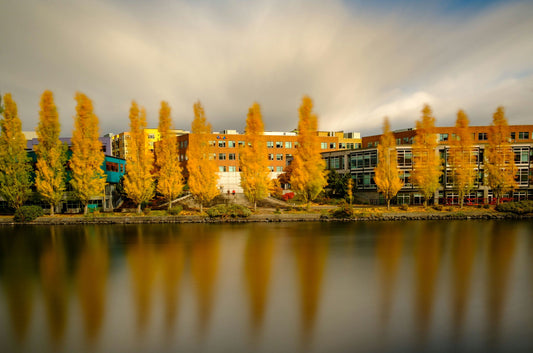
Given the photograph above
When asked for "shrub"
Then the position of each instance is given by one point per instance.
(486, 206)
(404, 207)
(520, 207)
(175, 210)
(288, 196)
(228, 211)
(343, 211)
(27, 213)
(437, 207)
(147, 211)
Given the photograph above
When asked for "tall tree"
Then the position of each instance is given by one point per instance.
(386, 172)
(138, 181)
(14, 167)
(88, 178)
(255, 176)
(461, 157)
(308, 175)
(51, 153)
(427, 167)
(499, 157)
(169, 173)
(202, 169)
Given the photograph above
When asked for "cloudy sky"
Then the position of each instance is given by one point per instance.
(358, 60)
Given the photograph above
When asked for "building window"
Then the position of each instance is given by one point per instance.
(523, 135)
(279, 157)
(398, 141)
(151, 136)
(212, 143)
(221, 168)
(513, 135)
(270, 144)
(288, 144)
(333, 145)
(270, 156)
(221, 143)
(241, 144)
(231, 143)
(279, 144)
(279, 169)
(232, 168)
(270, 168)
(443, 137)
(324, 145)
(231, 156)
(221, 156)
(482, 136)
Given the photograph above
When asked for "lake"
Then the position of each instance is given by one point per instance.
(433, 286)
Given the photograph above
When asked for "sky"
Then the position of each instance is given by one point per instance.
(359, 60)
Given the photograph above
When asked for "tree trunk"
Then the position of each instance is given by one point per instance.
(169, 204)
(139, 208)
(388, 204)
(425, 202)
(201, 208)
(86, 209)
(255, 206)
(52, 206)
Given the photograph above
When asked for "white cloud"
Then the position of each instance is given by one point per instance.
(358, 65)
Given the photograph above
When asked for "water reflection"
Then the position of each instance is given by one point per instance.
(462, 286)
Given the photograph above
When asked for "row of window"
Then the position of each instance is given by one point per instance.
(232, 168)
(324, 145)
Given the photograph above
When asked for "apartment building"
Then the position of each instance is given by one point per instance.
(120, 141)
(224, 148)
(361, 163)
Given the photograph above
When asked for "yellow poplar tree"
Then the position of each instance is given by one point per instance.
(138, 181)
(427, 168)
(170, 179)
(202, 170)
(255, 176)
(51, 153)
(461, 158)
(386, 172)
(14, 167)
(308, 176)
(499, 157)
(88, 178)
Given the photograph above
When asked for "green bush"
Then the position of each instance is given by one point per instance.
(520, 207)
(147, 211)
(175, 210)
(228, 211)
(343, 211)
(27, 214)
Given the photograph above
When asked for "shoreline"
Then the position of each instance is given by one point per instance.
(267, 218)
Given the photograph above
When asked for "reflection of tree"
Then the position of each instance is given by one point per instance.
(388, 253)
(54, 284)
(91, 278)
(427, 261)
(172, 260)
(311, 253)
(204, 262)
(501, 250)
(142, 258)
(258, 264)
(464, 251)
(18, 267)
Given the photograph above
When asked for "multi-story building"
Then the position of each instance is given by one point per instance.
(361, 163)
(120, 141)
(32, 140)
(224, 149)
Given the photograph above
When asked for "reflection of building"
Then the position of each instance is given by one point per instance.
(361, 164)
(224, 148)
(121, 141)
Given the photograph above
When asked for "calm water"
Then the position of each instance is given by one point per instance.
(293, 287)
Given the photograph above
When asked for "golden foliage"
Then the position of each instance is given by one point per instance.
(499, 165)
(14, 167)
(461, 157)
(427, 167)
(308, 176)
(386, 172)
(51, 153)
(138, 181)
(202, 170)
(87, 157)
(170, 179)
(255, 176)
